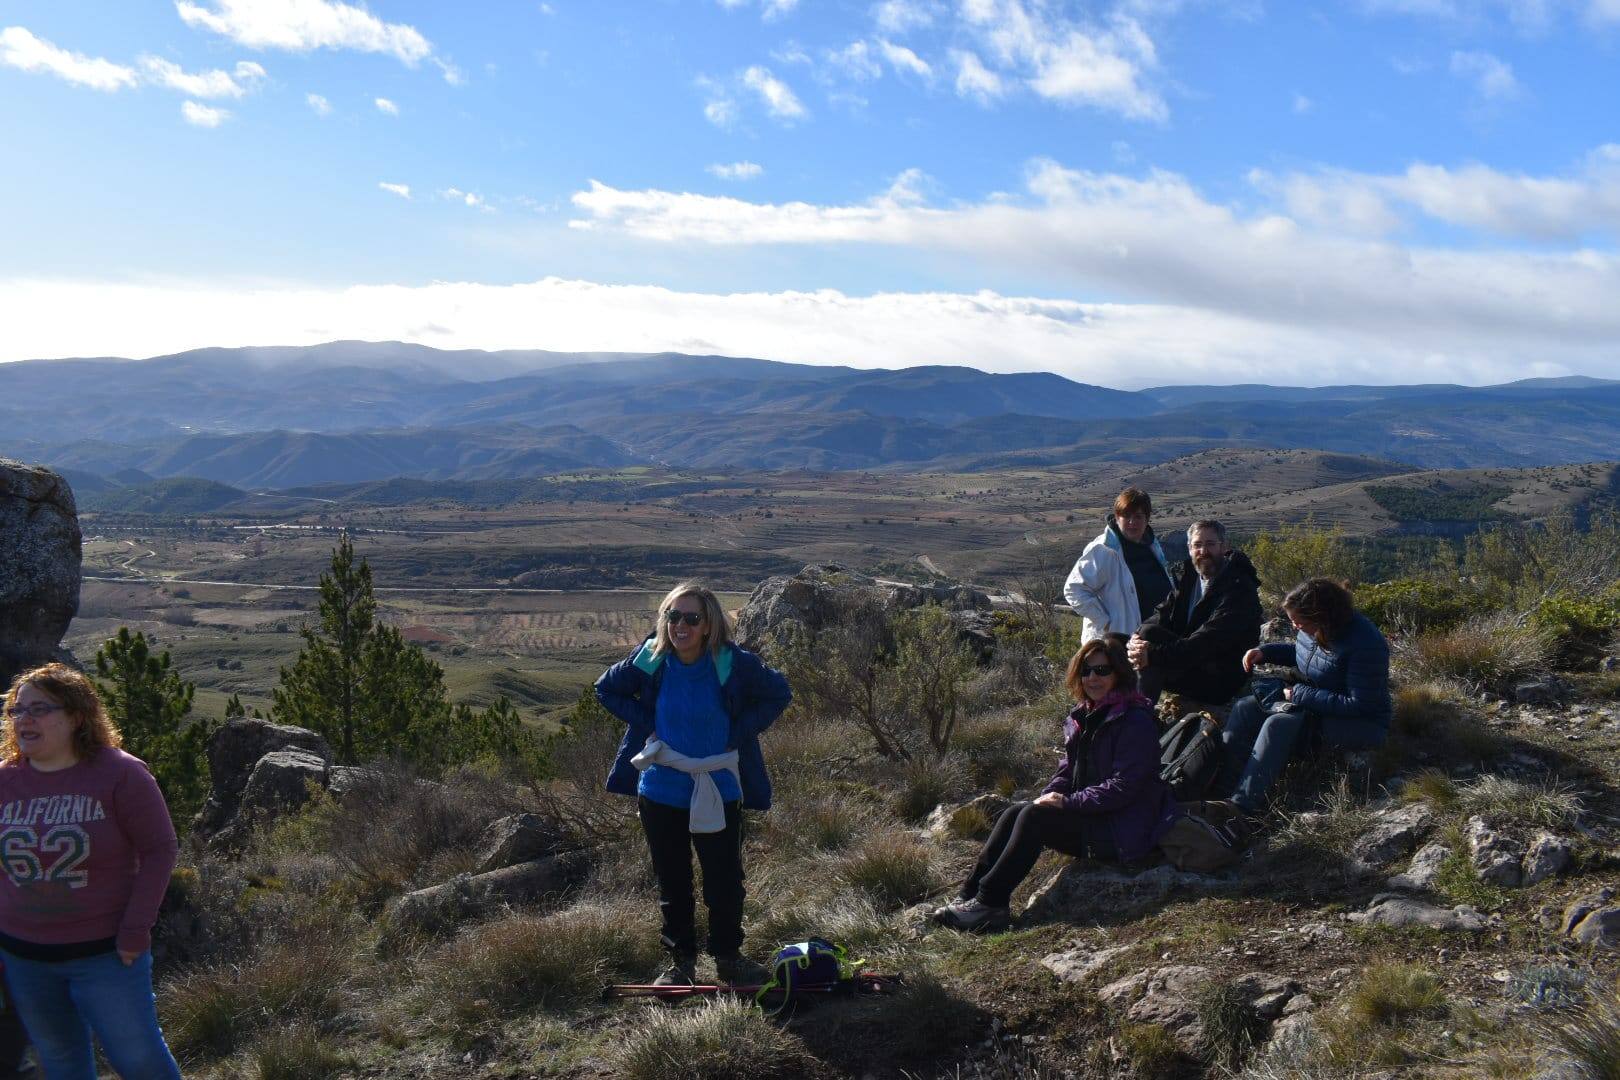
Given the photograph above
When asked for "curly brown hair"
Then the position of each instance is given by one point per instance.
(77, 695)
(1323, 601)
(1113, 647)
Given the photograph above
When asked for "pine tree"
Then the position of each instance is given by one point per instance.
(358, 682)
(150, 703)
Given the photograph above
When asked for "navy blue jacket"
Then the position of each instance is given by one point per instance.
(753, 695)
(1348, 676)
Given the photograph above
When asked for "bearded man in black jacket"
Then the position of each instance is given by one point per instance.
(1193, 643)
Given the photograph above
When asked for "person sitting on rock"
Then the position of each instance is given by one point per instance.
(1106, 800)
(695, 704)
(1343, 700)
(1193, 644)
(1122, 575)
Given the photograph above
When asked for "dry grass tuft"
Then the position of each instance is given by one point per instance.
(1390, 993)
(890, 869)
(212, 1010)
(723, 1039)
(296, 1055)
(1548, 803)
(1488, 651)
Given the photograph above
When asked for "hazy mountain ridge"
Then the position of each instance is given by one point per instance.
(354, 412)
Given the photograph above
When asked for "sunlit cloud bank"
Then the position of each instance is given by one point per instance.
(1111, 344)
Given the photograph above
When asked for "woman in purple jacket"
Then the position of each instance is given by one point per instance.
(1106, 800)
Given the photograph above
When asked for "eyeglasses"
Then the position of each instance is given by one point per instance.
(1100, 670)
(36, 710)
(690, 618)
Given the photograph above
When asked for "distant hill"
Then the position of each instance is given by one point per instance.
(357, 412)
(177, 496)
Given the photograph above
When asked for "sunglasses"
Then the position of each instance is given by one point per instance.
(690, 618)
(1100, 670)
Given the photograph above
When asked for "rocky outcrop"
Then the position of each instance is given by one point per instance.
(1393, 834)
(1393, 909)
(39, 554)
(440, 908)
(1169, 997)
(516, 838)
(257, 770)
(830, 596)
(1593, 920)
(1425, 867)
(1082, 889)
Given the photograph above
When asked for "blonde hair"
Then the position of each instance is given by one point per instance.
(717, 632)
(77, 695)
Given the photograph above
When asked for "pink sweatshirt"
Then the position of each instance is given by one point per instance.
(87, 851)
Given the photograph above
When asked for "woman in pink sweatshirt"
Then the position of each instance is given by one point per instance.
(87, 845)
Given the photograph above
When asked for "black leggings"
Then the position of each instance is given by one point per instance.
(1021, 832)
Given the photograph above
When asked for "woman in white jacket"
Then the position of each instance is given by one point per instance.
(1122, 575)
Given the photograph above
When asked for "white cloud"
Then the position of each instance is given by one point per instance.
(974, 80)
(402, 190)
(204, 116)
(1492, 78)
(1101, 70)
(903, 59)
(305, 25)
(777, 96)
(776, 9)
(737, 170)
(204, 84)
(1302, 104)
(452, 74)
(386, 106)
(21, 49)
(720, 111)
(1159, 240)
(467, 199)
(321, 106)
(899, 16)
(1111, 344)
(855, 61)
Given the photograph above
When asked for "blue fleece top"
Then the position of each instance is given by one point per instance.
(690, 718)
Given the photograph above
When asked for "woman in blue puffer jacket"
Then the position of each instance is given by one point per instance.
(1343, 699)
(694, 705)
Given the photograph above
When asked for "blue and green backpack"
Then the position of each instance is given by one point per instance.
(816, 963)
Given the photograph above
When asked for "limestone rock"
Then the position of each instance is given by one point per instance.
(1393, 834)
(1425, 867)
(1079, 964)
(39, 551)
(1393, 909)
(234, 753)
(1593, 920)
(440, 908)
(1547, 857)
(1168, 996)
(950, 822)
(516, 838)
(823, 596)
(1496, 857)
(281, 782)
(1082, 888)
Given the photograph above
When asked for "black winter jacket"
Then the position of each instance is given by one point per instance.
(1201, 650)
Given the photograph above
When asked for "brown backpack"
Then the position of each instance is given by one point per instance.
(1201, 846)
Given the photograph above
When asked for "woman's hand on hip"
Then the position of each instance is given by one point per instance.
(128, 956)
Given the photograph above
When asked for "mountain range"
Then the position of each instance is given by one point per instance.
(354, 412)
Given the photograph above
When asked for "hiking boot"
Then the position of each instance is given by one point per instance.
(737, 970)
(682, 971)
(974, 916)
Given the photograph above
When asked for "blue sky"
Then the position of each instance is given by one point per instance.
(1126, 191)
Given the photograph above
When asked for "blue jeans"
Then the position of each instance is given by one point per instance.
(62, 1002)
(1258, 744)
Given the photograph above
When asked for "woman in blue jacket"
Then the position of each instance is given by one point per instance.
(695, 704)
(1343, 698)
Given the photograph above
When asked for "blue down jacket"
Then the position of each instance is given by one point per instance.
(754, 695)
(1348, 676)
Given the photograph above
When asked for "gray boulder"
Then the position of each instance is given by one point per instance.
(830, 596)
(516, 838)
(40, 557)
(1393, 909)
(1080, 963)
(1590, 920)
(1394, 833)
(281, 782)
(1547, 857)
(234, 753)
(1497, 858)
(440, 908)
(1424, 868)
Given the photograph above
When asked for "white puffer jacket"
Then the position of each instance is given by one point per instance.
(1101, 590)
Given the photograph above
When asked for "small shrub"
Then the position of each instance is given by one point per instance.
(297, 1055)
(723, 1039)
(1423, 711)
(1487, 651)
(925, 782)
(1230, 1027)
(1578, 627)
(1590, 1040)
(1151, 1050)
(892, 869)
(1389, 993)
(556, 961)
(1412, 604)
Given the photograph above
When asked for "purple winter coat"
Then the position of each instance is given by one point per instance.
(1128, 797)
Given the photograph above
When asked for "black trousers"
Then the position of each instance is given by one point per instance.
(670, 840)
(1020, 834)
